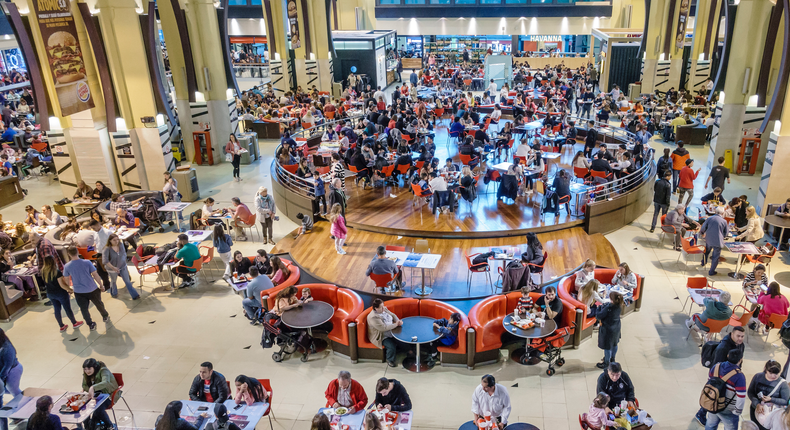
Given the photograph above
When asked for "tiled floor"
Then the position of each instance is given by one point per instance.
(158, 342)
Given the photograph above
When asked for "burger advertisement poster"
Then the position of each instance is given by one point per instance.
(64, 55)
(293, 22)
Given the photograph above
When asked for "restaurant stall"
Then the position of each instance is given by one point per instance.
(368, 54)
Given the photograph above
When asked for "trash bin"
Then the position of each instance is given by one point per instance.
(634, 92)
(249, 141)
(187, 184)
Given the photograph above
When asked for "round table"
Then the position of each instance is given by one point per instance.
(536, 332)
(422, 328)
(469, 425)
(307, 316)
(778, 222)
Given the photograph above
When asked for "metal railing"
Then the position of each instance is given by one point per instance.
(259, 71)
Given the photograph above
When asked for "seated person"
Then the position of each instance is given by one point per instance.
(240, 265)
(119, 201)
(772, 302)
(240, 214)
(753, 281)
(624, 277)
(249, 390)
(438, 186)
(716, 308)
(449, 331)
(525, 303)
(123, 218)
(600, 164)
(346, 392)
(381, 321)
(551, 304)
(209, 386)
(598, 414)
(255, 286)
(381, 265)
(448, 164)
(186, 256)
(391, 395)
(714, 197)
(48, 216)
(617, 385)
(681, 222)
(32, 215)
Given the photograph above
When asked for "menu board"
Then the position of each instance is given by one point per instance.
(56, 24)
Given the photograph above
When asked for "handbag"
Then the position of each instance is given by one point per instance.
(769, 408)
(228, 157)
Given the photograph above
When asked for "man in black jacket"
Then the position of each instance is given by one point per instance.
(589, 141)
(732, 341)
(662, 192)
(617, 384)
(209, 386)
(599, 164)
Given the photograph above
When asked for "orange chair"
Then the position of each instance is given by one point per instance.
(383, 281)
(267, 385)
(714, 326)
(323, 170)
(418, 193)
(40, 146)
(538, 268)
(476, 268)
(764, 259)
(774, 321)
(403, 307)
(581, 172)
(144, 270)
(696, 283)
(419, 165)
(291, 168)
(116, 396)
(198, 266)
(395, 248)
(88, 255)
(599, 174)
(438, 114)
(741, 321)
(465, 159)
(687, 249)
(467, 84)
(207, 257)
(329, 115)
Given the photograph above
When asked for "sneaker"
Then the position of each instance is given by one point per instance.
(601, 365)
(689, 322)
(652, 229)
(107, 318)
(392, 364)
(342, 252)
(78, 324)
(63, 327)
(701, 417)
(92, 326)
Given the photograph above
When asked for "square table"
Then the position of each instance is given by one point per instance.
(28, 272)
(419, 261)
(243, 415)
(740, 248)
(176, 208)
(24, 412)
(353, 421)
(698, 295)
(197, 236)
(24, 406)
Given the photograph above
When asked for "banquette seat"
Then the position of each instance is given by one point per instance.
(405, 307)
(486, 319)
(567, 289)
(292, 280)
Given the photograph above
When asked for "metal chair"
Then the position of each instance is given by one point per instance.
(695, 283)
(741, 321)
(207, 258)
(119, 391)
(687, 249)
(476, 268)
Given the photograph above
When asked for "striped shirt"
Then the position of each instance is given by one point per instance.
(307, 223)
(750, 278)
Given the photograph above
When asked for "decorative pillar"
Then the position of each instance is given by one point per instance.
(273, 13)
(653, 37)
(704, 42)
(313, 61)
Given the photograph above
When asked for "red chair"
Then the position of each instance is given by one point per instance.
(533, 268)
(267, 385)
(144, 270)
(465, 159)
(696, 283)
(687, 249)
(774, 321)
(382, 281)
(764, 259)
(741, 321)
(476, 268)
(116, 396)
(714, 326)
(438, 114)
(599, 174)
(395, 248)
(419, 165)
(329, 115)
(583, 422)
(208, 257)
(86, 254)
(291, 168)
(419, 193)
(581, 172)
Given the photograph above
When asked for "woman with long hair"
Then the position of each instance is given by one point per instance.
(609, 334)
(240, 264)
(580, 161)
(171, 418)
(249, 390)
(772, 302)
(223, 242)
(233, 147)
(767, 391)
(114, 261)
(266, 209)
(338, 228)
(280, 271)
(320, 422)
(624, 277)
(42, 419)
(588, 295)
(285, 300)
(97, 379)
(57, 293)
(101, 192)
(372, 423)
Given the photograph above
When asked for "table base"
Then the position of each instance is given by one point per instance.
(319, 345)
(423, 291)
(519, 353)
(410, 364)
(735, 275)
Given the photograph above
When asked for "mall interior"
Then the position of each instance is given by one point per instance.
(486, 211)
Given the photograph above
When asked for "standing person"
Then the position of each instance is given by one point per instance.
(42, 418)
(714, 230)
(97, 379)
(233, 147)
(338, 229)
(662, 193)
(735, 392)
(100, 237)
(491, 398)
(381, 322)
(114, 260)
(223, 242)
(768, 390)
(718, 174)
(87, 286)
(686, 181)
(679, 157)
(264, 205)
(608, 316)
(170, 191)
(58, 295)
(320, 195)
(590, 139)
(337, 196)
(10, 372)
(587, 100)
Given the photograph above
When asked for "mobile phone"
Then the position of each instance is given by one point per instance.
(203, 408)
(238, 407)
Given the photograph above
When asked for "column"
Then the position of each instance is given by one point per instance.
(733, 114)
(654, 34)
(773, 184)
(678, 18)
(85, 152)
(313, 62)
(273, 13)
(704, 27)
(137, 149)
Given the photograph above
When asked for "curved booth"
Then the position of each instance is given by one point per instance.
(486, 319)
(267, 297)
(566, 289)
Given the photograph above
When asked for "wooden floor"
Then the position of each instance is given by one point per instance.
(392, 209)
(315, 253)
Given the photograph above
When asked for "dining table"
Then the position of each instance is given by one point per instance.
(416, 331)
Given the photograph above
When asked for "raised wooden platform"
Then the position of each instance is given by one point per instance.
(315, 253)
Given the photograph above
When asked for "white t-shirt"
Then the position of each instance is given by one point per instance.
(206, 211)
(438, 184)
(522, 150)
(492, 88)
(495, 115)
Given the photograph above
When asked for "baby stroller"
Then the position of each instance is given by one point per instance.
(288, 342)
(149, 214)
(549, 349)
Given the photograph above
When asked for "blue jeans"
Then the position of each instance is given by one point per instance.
(675, 178)
(124, 274)
(729, 419)
(608, 354)
(100, 414)
(11, 386)
(61, 300)
(250, 304)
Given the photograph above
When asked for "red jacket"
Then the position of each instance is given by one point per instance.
(358, 396)
(687, 177)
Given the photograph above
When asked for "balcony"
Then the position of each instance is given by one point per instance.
(491, 8)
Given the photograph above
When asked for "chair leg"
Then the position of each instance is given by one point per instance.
(270, 420)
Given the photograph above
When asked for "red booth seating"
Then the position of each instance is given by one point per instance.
(405, 307)
(567, 288)
(486, 320)
(267, 296)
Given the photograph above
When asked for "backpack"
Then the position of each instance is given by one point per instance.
(784, 333)
(482, 257)
(714, 394)
(708, 353)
